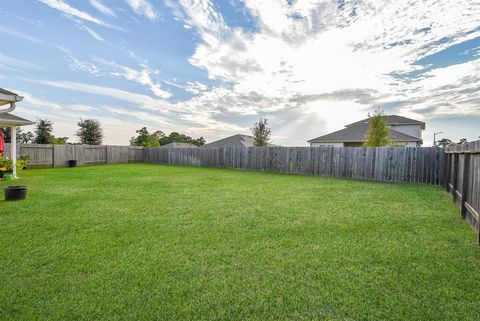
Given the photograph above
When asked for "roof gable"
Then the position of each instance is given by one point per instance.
(7, 120)
(238, 140)
(357, 133)
(235, 140)
(392, 120)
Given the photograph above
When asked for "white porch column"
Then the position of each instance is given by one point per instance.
(13, 135)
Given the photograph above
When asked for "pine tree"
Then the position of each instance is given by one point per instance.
(261, 133)
(90, 132)
(377, 134)
(43, 132)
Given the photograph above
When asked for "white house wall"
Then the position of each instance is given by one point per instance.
(326, 144)
(412, 130)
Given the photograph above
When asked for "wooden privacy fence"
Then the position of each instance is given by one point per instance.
(463, 181)
(388, 164)
(58, 155)
(410, 164)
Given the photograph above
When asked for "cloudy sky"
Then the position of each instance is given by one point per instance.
(213, 67)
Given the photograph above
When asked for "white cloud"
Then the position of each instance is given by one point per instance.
(312, 54)
(310, 66)
(18, 34)
(195, 87)
(83, 66)
(143, 76)
(70, 11)
(103, 8)
(92, 33)
(142, 101)
(11, 63)
(144, 8)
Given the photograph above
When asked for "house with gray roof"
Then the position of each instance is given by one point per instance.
(402, 130)
(178, 145)
(235, 140)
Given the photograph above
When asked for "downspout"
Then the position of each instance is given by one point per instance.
(11, 108)
(12, 104)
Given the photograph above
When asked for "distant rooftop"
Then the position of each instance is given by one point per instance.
(235, 140)
(392, 120)
(356, 132)
(178, 145)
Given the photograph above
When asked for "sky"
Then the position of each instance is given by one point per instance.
(213, 68)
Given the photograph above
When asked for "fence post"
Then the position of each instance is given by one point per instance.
(53, 155)
(466, 169)
(447, 172)
(455, 176)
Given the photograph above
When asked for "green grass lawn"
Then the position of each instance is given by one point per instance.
(151, 242)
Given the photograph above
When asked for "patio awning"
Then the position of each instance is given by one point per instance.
(12, 121)
(9, 120)
(7, 97)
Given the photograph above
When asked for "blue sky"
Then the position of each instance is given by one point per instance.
(213, 68)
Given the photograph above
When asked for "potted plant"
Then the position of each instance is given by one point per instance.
(6, 165)
(25, 161)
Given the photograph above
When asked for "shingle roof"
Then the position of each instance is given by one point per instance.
(235, 140)
(6, 92)
(178, 145)
(7, 119)
(357, 133)
(392, 120)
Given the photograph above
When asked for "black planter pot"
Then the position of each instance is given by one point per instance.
(72, 163)
(15, 193)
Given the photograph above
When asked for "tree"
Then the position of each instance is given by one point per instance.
(22, 138)
(199, 141)
(445, 142)
(261, 132)
(146, 139)
(90, 131)
(25, 138)
(43, 132)
(58, 140)
(377, 134)
(463, 141)
(176, 137)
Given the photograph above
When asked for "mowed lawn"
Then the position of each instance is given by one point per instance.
(152, 242)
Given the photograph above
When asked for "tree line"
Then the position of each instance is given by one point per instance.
(90, 132)
(445, 142)
(158, 138)
(260, 131)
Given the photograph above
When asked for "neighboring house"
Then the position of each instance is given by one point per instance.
(235, 140)
(403, 131)
(179, 145)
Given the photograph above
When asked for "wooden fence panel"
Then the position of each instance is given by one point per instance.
(49, 155)
(389, 164)
(117, 154)
(40, 155)
(62, 154)
(95, 154)
(462, 179)
(135, 154)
